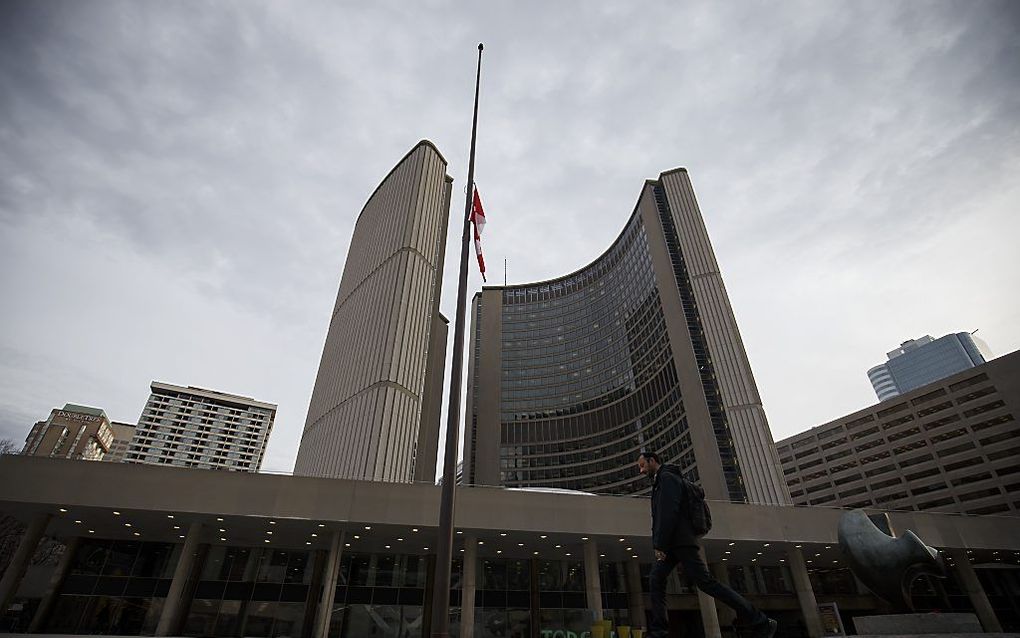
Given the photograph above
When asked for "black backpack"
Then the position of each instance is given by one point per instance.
(696, 508)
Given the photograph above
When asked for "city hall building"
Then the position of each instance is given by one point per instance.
(568, 380)
(154, 550)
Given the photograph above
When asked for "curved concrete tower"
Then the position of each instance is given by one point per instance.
(374, 411)
(570, 378)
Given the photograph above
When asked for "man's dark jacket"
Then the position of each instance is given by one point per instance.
(671, 526)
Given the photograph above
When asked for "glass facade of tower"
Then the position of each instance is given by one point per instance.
(588, 377)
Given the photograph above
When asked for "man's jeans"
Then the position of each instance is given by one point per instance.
(697, 573)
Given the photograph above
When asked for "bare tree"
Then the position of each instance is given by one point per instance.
(8, 446)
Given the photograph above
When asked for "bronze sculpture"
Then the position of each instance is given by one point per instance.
(885, 564)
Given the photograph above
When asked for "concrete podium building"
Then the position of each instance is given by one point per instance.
(570, 378)
(949, 446)
(188, 552)
(375, 408)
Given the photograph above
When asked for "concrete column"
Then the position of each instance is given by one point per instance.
(709, 615)
(22, 557)
(805, 595)
(592, 582)
(726, 615)
(635, 596)
(173, 607)
(468, 587)
(971, 584)
(324, 614)
(53, 587)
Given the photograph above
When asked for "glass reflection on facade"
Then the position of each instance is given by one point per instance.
(588, 377)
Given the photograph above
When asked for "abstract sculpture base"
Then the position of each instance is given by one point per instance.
(914, 624)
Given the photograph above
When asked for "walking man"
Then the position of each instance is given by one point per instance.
(675, 544)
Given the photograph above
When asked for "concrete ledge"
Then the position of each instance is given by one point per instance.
(917, 624)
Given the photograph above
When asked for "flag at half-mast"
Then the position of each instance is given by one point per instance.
(478, 220)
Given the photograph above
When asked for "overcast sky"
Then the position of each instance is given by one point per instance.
(179, 181)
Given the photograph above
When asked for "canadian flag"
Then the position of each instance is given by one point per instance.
(478, 219)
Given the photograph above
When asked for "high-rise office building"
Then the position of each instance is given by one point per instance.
(918, 362)
(195, 427)
(375, 409)
(570, 378)
(949, 446)
(74, 432)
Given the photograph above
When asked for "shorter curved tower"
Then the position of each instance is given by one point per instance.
(570, 378)
(374, 411)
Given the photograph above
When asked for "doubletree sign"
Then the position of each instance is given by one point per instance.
(76, 416)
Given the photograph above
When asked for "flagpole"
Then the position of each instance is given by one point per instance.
(444, 549)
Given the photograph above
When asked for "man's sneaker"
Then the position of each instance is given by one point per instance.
(764, 629)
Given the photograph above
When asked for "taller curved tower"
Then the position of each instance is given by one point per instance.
(570, 378)
(374, 411)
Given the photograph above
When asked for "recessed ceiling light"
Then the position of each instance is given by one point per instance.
(602, 555)
(725, 559)
(568, 553)
(266, 541)
(536, 553)
(559, 546)
(220, 519)
(347, 544)
(732, 544)
(754, 560)
(425, 549)
(368, 527)
(461, 550)
(386, 546)
(634, 556)
(127, 524)
(268, 532)
(797, 546)
(400, 539)
(137, 534)
(272, 522)
(499, 551)
(177, 526)
(543, 536)
(726, 552)
(460, 531)
(765, 545)
(308, 542)
(414, 529)
(182, 536)
(222, 539)
(630, 549)
(116, 513)
(314, 535)
(62, 509)
(322, 524)
(222, 530)
(78, 522)
(356, 537)
(759, 553)
(520, 544)
(502, 533)
(169, 515)
(622, 540)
